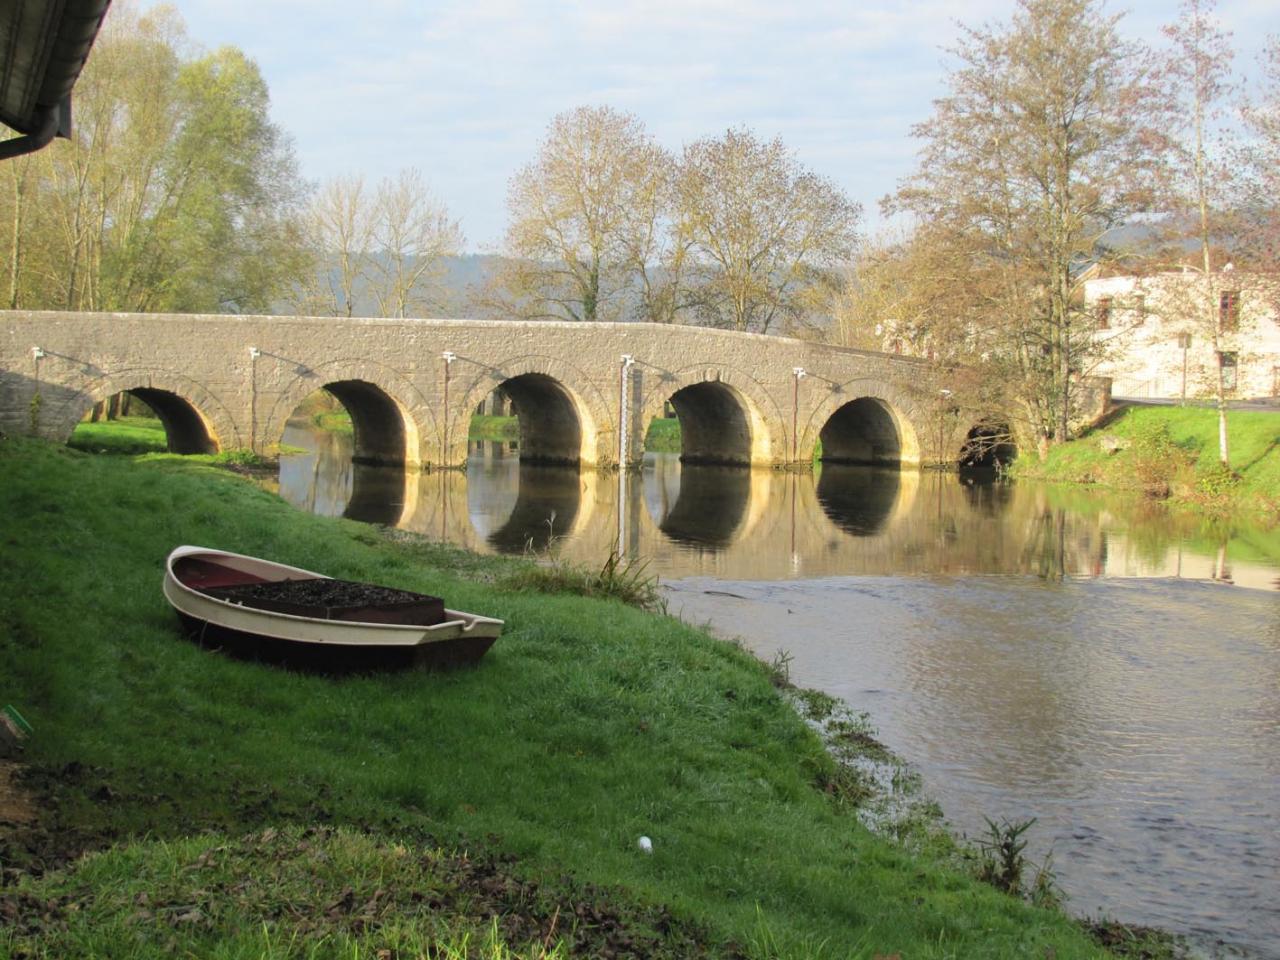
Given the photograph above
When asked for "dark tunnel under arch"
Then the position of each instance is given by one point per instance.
(862, 432)
(376, 421)
(186, 431)
(715, 427)
(550, 426)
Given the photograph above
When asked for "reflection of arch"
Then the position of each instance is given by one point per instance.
(547, 503)
(194, 420)
(385, 408)
(710, 507)
(988, 446)
(562, 416)
(377, 494)
(864, 421)
(858, 500)
(712, 399)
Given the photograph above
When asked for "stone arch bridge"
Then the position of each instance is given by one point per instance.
(584, 393)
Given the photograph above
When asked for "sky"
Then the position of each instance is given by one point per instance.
(464, 90)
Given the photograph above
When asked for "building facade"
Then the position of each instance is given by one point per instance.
(1155, 334)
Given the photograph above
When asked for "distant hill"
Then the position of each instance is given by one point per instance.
(451, 294)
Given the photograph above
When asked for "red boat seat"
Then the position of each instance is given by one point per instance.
(202, 574)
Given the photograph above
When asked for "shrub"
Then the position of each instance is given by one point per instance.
(1156, 459)
(1216, 479)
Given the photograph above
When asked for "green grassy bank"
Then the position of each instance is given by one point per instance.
(486, 427)
(243, 811)
(1172, 452)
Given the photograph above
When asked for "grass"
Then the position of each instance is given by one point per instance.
(1173, 452)
(663, 435)
(589, 724)
(125, 435)
(487, 427)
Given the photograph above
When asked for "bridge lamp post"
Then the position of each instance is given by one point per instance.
(448, 357)
(37, 354)
(798, 374)
(628, 361)
(254, 354)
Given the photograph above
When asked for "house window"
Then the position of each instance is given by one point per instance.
(1103, 313)
(1228, 360)
(1229, 310)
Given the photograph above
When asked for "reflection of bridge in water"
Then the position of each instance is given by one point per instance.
(685, 519)
(740, 523)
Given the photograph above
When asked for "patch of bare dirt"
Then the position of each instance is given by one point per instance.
(17, 808)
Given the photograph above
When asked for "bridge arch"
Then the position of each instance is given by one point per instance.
(988, 445)
(726, 416)
(863, 422)
(386, 409)
(563, 418)
(195, 421)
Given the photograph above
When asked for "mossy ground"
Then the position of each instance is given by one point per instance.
(589, 724)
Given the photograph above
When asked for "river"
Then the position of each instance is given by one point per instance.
(1033, 651)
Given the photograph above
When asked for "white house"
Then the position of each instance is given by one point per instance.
(1155, 333)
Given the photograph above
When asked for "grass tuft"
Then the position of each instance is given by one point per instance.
(627, 581)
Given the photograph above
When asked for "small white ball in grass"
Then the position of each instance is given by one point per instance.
(645, 845)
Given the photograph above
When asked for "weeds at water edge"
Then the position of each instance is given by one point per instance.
(627, 580)
(1003, 864)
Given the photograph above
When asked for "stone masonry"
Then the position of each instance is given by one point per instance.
(227, 382)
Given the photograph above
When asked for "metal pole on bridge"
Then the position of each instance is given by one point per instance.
(254, 354)
(798, 374)
(448, 357)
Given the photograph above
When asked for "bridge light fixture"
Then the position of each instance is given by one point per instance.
(448, 356)
(37, 353)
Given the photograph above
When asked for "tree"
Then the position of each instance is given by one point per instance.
(903, 294)
(412, 234)
(339, 225)
(1041, 146)
(176, 191)
(762, 231)
(377, 251)
(585, 227)
(1261, 161)
(1199, 185)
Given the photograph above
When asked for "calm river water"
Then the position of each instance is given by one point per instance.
(1032, 651)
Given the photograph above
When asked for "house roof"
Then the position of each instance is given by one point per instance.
(43, 47)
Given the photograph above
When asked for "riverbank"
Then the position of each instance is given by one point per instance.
(1171, 453)
(265, 813)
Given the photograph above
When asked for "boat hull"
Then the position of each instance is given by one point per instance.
(194, 576)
